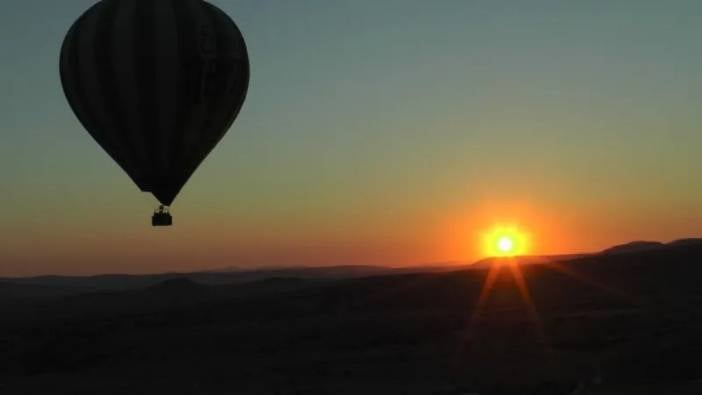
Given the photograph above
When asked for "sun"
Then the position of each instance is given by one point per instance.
(505, 244)
(505, 241)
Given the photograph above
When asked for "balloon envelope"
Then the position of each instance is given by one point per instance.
(157, 83)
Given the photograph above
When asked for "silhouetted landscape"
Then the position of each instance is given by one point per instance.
(624, 321)
(214, 197)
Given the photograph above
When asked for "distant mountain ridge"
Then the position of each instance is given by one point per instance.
(527, 259)
(686, 242)
(634, 246)
(119, 282)
(285, 276)
(642, 246)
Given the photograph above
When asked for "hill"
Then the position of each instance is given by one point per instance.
(634, 246)
(122, 282)
(600, 324)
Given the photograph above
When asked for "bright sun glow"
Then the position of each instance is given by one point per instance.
(505, 244)
(504, 241)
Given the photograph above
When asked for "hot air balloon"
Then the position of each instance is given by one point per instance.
(157, 84)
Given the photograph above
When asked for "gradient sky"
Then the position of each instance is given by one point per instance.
(377, 132)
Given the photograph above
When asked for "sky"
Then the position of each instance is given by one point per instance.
(386, 132)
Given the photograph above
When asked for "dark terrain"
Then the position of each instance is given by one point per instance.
(625, 321)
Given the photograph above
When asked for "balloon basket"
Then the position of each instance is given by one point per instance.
(162, 217)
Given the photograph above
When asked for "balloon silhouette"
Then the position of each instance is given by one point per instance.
(157, 83)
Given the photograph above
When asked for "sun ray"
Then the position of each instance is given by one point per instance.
(563, 269)
(467, 336)
(525, 294)
(485, 292)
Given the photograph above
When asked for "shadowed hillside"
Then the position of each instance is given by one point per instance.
(613, 323)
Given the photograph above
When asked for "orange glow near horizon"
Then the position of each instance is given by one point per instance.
(469, 233)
